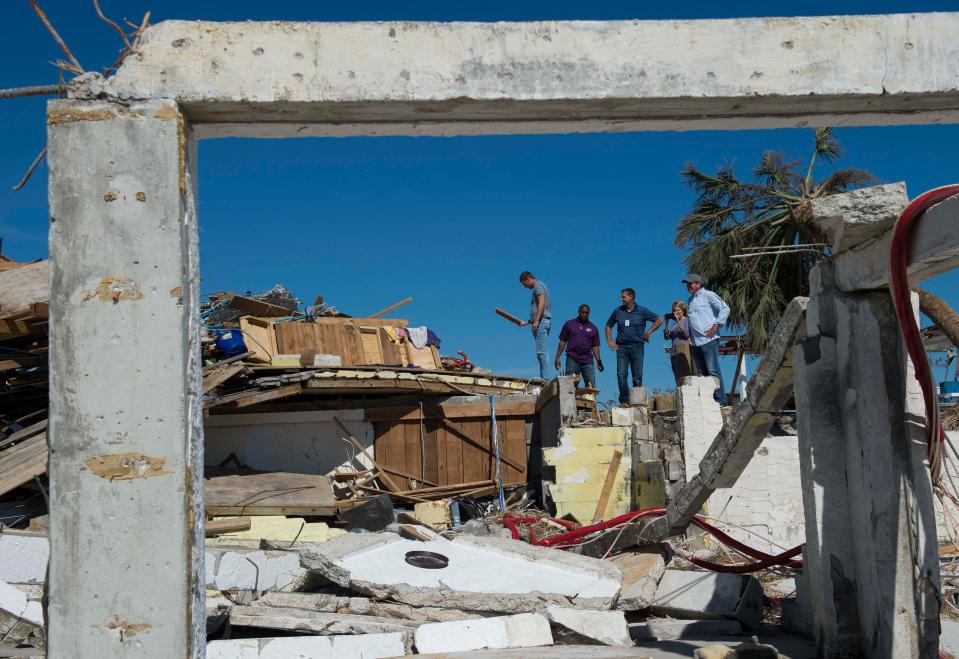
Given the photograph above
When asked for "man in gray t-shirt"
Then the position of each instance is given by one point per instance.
(540, 318)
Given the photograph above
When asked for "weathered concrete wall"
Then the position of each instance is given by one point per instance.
(125, 435)
(767, 498)
(300, 442)
(873, 572)
(448, 78)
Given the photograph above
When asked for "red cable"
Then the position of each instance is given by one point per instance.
(566, 540)
(901, 297)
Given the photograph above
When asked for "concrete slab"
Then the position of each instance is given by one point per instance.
(554, 652)
(484, 574)
(667, 629)
(21, 620)
(23, 558)
(854, 217)
(523, 630)
(642, 570)
(317, 622)
(368, 646)
(606, 627)
(320, 602)
(258, 570)
(709, 595)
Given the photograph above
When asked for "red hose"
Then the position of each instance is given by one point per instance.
(567, 540)
(901, 297)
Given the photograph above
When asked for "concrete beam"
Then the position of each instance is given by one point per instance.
(282, 78)
(934, 250)
(125, 433)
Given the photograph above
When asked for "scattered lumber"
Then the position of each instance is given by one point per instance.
(249, 492)
(390, 308)
(216, 527)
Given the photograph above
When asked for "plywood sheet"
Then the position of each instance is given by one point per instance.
(268, 493)
(259, 337)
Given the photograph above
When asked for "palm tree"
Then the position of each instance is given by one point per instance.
(769, 218)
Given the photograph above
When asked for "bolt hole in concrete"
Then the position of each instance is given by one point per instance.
(429, 560)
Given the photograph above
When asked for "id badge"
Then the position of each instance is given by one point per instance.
(626, 323)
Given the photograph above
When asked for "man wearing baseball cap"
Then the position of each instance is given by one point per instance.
(707, 311)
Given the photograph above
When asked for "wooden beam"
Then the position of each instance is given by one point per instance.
(268, 394)
(390, 308)
(508, 316)
(215, 378)
(215, 527)
(607, 486)
(362, 449)
(450, 411)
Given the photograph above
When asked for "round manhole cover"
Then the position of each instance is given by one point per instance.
(428, 560)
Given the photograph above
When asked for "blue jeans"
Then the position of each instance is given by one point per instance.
(541, 338)
(587, 372)
(629, 356)
(706, 357)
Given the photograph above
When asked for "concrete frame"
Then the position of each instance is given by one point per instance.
(125, 435)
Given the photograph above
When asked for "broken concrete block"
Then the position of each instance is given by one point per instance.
(606, 627)
(483, 574)
(318, 622)
(322, 602)
(366, 646)
(642, 432)
(638, 396)
(642, 570)
(853, 217)
(645, 451)
(671, 630)
(260, 570)
(709, 595)
(23, 557)
(525, 630)
(621, 416)
(581, 462)
(21, 620)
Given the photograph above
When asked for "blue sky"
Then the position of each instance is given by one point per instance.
(450, 221)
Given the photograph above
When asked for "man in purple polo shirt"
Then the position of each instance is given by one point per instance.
(580, 338)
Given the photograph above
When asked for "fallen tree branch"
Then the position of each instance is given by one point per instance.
(940, 313)
(56, 36)
(35, 90)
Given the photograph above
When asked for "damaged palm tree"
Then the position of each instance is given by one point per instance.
(754, 242)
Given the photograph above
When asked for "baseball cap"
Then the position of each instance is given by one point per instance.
(693, 278)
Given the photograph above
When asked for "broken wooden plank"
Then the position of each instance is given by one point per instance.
(269, 493)
(269, 394)
(216, 527)
(390, 308)
(253, 307)
(508, 316)
(21, 463)
(359, 447)
(607, 486)
(23, 433)
(215, 378)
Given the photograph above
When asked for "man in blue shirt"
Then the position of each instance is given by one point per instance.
(707, 311)
(540, 317)
(631, 338)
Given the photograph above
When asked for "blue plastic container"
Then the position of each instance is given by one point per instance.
(949, 388)
(230, 342)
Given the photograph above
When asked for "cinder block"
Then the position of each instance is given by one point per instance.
(675, 470)
(621, 416)
(643, 432)
(638, 396)
(645, 451)
(606, 627)
(524, 630)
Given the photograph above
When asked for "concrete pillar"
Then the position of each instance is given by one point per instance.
(870, 555)
(125, 420)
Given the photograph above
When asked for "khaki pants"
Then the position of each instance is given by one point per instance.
(682, 363)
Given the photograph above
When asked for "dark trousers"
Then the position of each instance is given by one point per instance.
(629, 357)
(586, 372)
(706, 357)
